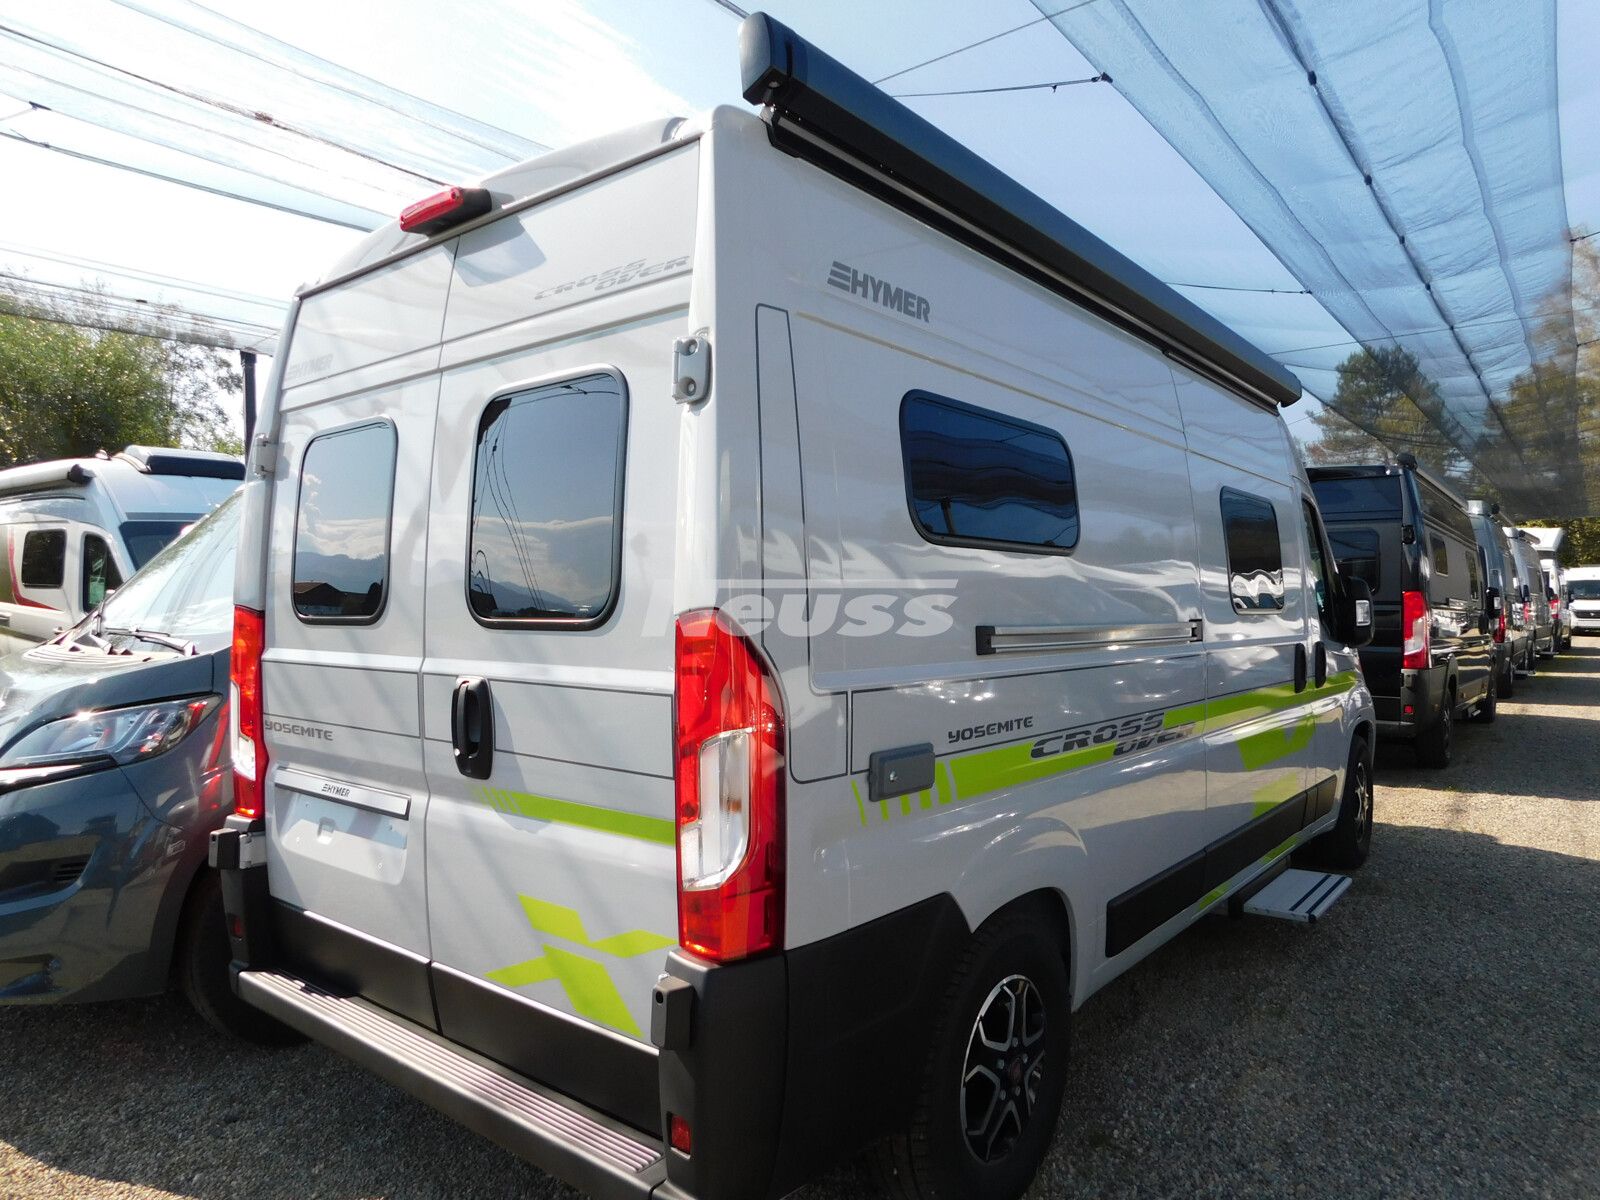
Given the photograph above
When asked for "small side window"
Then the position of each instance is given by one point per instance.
(1255, 553)
(44, 558)
(341, 536)
(100, 574)
(977, 478)
(1441, 556)
(546, 540)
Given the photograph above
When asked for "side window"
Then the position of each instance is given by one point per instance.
(1255, 553)
(1474, 577)
(100, 574)
(1441, 555)
(546, 538)
(1321, 576)
(977, 478)
(341, 534)
(44, 558)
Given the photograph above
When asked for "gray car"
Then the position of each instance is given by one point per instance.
(114, 770)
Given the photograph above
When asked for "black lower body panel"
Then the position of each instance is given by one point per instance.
(1144, 908)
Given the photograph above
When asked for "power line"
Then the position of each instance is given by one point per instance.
(1014, 87)
(104, 268)
(330, 75)
(98, 297)
(1222, 287)
(993, 37)
(234, 110)
(226, 193)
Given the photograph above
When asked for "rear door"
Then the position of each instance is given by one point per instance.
(552, 875)
(346, 794)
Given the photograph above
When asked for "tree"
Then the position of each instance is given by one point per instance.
(1379, 408)
(69, 391)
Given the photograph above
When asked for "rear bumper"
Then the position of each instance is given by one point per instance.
(1414, 707)
(782, 1066)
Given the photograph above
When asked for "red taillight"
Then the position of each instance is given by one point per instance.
(1415, 622)
(729, 780)
(1500, 625)
(679, 1134)
(249, 746)
(1555, 607)
(444, 209)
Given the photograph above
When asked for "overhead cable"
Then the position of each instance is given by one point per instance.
(983, 41)
(364, 227)
(254, 116)
(1013, 87)
(304, 65)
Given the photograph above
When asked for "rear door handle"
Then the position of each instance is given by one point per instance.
(1300, 667)
(1321, 664)
(472, 728)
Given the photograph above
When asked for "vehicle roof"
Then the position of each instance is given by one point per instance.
(514, 186)
(142, 482)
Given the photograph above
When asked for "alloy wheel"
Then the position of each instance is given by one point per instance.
(1000, 1080)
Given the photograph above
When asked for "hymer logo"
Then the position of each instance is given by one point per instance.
(878, 291)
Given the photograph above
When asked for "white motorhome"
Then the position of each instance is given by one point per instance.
(1583, 598)
(744, 626)
(72, 530)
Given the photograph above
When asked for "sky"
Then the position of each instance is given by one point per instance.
(559, 71)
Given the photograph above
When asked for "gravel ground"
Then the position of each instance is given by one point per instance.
(1438, 1035)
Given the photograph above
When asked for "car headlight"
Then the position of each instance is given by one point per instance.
(102, 737)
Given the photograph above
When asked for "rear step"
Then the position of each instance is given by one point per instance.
(1298, 895)
(585, 1148)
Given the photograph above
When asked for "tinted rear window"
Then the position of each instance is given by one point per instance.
(341, 544)
(547, 504)
(979, 478)
(1357, 553)
(146, 539)
(1376, 495)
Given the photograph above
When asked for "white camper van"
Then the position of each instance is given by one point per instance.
(1583, 598)
(744, 626)
(72, 530)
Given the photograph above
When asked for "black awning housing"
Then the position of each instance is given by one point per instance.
(820, 110)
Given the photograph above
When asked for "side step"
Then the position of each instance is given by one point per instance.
(587, 1149)
(1298, 895)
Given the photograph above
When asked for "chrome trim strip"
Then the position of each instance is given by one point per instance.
(390, 804)
(1032, 639)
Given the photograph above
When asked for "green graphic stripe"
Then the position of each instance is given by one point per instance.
(585, 816)
(587, 983)
(1004, 767)
(980, 772)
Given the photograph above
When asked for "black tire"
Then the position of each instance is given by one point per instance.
(936, 1159)
(1508, 680)
(1347, 844)
(1486, 710)
(1531, 666)
(1435, 742)
(201, 963)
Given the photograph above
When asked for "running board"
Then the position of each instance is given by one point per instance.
(591, 1151)
(1298, 896)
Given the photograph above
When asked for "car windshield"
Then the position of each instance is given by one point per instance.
(1585, 589)
(186, 591)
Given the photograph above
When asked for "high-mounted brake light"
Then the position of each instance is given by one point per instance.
(729, 782)
(1415, 623)
(444, 209)
(244, 709)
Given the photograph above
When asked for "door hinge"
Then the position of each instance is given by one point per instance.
(264, 455)
(691, 368)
